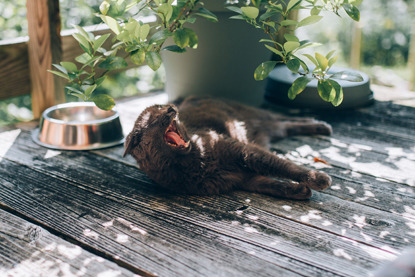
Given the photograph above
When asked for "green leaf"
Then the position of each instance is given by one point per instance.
(207, 14)
(160, 36)
(263, 70)
(332, 61)
(250, 12)
(100, 41)
(60, 74)
(83, 42)
(144, 31)
(292, 4)
(83, 59)
(311, 58)
(288, 22)
(90, 90)
(61, 68)
(323, 63)
(112, 24)
(298, 86)
(309, 44)
(330, 54)
(193, 39)
(338, 99)
(84, 33)
(166, 10)
(99, 81)
(138, 57)
(104, 7)
(293, 65)
(290, 37)
(326, 90)
(69, 66)
(267, 15)
(104, 102)
(352, 11)
(113, 63)
(234, 9)
(181, 38)
(309, 20)
(279, 53)
(290, 46)
(350, 76)
(174, 48)
(153, 60)
(239, 17)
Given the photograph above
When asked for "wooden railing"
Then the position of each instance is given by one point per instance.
(24, 61)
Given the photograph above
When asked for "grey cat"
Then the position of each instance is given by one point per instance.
(209, 146)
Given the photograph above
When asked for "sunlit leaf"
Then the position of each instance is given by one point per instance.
(112, 24)
(298, 86)
(251, 12)
(104, 102)
(326, 90)
(263, 70)
(338, 99)
(323, 63)
(100, 41)
(290, 46)
(290, 37)
(69, 66)
(138, 57)
(292, 4)
(181, 38)
(153, 60)
(309, 20)
(288, 22)
(352, 11)
(279, 53)
(60, 74)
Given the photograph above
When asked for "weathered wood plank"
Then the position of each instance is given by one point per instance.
(163, 244)
(29, 250)
(68, 166)
(396, 166)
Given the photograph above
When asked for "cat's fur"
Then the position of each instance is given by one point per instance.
(215, 146)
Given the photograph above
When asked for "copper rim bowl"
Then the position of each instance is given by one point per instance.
(78, 126)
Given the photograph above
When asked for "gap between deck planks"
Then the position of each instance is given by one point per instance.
(266, 218)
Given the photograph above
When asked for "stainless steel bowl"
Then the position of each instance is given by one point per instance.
(78, 126)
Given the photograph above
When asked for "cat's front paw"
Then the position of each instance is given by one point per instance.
(318, 180)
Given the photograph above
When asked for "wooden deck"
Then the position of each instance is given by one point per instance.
(91, 213)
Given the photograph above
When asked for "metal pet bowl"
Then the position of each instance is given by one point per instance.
(78, 126)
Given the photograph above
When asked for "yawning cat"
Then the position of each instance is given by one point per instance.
(209, 146)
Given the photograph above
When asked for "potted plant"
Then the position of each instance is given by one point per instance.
(143, 44)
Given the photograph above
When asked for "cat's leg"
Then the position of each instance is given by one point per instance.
(284, 189)
(256, 159)
(282, 129)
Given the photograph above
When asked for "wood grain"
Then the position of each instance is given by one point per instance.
(27, 249)
(44, 48)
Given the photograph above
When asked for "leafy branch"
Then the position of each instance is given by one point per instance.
(275, 19)
(139, 42)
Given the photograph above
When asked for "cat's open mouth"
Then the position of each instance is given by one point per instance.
(173, 136)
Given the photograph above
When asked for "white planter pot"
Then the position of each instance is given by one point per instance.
(223, 65)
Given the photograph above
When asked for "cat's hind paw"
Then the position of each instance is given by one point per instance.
(318, 180)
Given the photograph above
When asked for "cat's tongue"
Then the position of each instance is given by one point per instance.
(173, 137)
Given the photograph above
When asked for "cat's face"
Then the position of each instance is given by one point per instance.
(158, 127)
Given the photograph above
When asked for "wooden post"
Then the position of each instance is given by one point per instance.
(356, 49)
(44, 49)
(411, 58)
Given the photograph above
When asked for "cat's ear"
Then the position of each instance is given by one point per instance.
(132, 140)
